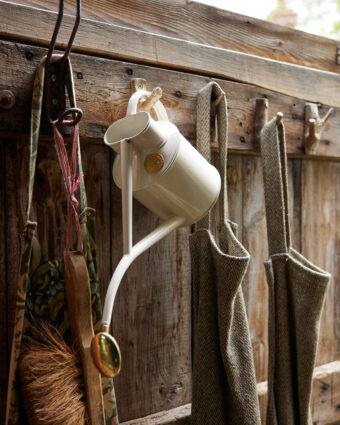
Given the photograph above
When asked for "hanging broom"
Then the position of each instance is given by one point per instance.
(61, 384)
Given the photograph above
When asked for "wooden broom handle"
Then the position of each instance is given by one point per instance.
(77, 284)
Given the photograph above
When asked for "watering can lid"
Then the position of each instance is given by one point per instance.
(126, 128)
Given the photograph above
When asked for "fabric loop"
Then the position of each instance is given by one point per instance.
(204, 143)
(275, 178)
(72, 183)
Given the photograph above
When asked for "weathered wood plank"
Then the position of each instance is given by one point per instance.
(24, 23)
(97, 175)
(152, 319)
(177, 416)
(3, 286)
(254, 237)
(209, 25)
(16, 158)
(326, 394)
(320, 239)
(103, 90)
(324, 403)
(325, 398)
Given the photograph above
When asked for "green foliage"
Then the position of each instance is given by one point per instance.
(329, 21)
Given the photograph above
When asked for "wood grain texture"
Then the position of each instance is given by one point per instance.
(320, 240)
(16, 159)
(177, 416)
(103, 90)
(98, 180)
(254, 284)
(326, 394)
(324, 403)
(3, 287)
(208, 25)
(139, 46)
(152, 319)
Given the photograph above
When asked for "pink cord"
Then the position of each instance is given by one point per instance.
(72, 182)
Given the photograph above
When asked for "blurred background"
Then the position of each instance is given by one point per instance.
(321, 17)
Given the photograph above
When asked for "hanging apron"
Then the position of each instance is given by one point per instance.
(297, 291)
(41, 291)
(224, 383)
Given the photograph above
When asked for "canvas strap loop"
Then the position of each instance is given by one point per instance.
(204, 143)
(274, 164)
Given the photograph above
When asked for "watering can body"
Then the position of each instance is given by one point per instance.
(170, 177)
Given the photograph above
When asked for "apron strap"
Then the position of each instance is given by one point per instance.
(37, 101)
(204, 143)
(275, 179)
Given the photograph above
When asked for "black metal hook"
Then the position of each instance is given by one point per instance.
(57, 74)
(76, 113)
(56, 31)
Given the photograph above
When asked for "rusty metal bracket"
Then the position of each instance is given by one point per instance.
(313, 127)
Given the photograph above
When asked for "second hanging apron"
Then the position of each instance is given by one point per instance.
(297, 291)
(224, 384)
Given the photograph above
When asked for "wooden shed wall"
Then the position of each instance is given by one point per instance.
(152, 317)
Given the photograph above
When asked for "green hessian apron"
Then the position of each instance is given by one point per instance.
(41, 281)
(296, 295)
(224, 383)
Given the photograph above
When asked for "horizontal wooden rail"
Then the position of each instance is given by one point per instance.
(177, 416)
(35, 26)
(325, 401)
(204, 24)
(103, 90)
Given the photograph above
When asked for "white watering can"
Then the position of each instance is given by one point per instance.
(165, 173)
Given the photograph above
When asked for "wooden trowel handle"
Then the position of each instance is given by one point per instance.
(78, 294)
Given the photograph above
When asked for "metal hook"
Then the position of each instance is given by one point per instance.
(56, 31)
(279, 118)
(57, 75)
(76, 113)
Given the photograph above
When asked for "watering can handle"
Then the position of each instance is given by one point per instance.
(158, 107)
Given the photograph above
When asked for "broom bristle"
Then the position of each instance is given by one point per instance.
(51, 379)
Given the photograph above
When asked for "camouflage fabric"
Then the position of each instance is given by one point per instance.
(41, 291)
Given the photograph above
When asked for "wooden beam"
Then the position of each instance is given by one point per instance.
(103, 90)
(325, 401)
(209, 25)
(35, 26)
(177, 416)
